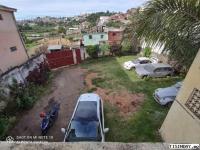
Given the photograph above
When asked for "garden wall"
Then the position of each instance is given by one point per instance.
(21, 74)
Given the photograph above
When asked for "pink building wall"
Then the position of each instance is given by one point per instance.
(10, 37)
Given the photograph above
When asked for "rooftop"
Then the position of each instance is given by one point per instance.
(115, 29)
(54, 47)
(5, 8)
(94, 33)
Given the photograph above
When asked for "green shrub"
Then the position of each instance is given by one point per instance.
(115, 24)
(61, 30)
(92, 90)
(3, 95)
(147, 52)
(21, 97)
(5, 124)
(92, 51)
(126, 46)
(104, 48)
(24, 97)
(116, 50)
(70, 38)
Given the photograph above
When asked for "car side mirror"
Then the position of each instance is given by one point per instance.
(63, 130)
(106, 130)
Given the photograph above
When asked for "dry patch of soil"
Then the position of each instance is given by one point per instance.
(53, 41)
(126, 102)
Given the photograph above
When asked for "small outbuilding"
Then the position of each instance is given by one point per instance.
(54, 48)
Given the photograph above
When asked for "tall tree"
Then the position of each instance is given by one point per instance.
(174, 23)
(130, 31)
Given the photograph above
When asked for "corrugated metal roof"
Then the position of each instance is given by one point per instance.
(54, 47)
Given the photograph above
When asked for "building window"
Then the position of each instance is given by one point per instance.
(90, 36)
(12, 49)
(114, 34)
(1, 18)
(193, 103)
(102, 36)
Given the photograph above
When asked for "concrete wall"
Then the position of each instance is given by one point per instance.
(162, 57)
(9, 37)
(157, 49)
(181, 125)
(84, 146)
(20, 73)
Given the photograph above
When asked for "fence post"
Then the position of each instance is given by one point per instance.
(74, 56)
(82, 51)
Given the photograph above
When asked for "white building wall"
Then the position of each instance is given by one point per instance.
(156, 48)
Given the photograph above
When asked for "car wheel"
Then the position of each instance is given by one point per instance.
(144, 77)
(168, 76)
(147, 78)
(169, 104)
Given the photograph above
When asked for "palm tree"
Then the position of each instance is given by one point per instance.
(174, 23)
(129, 32)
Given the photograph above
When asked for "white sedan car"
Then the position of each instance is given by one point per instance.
(165, 96)
(87, 122)
(141, 60)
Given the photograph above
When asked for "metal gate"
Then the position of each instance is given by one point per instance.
(60, 58)
(78, 56)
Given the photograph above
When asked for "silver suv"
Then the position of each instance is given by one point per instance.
(154, 70)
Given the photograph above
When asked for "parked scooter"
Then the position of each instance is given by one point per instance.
(49, 118)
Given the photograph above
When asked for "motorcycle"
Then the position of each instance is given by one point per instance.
(49, 119)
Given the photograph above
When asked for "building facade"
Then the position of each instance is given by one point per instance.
(95, 38)
(12, 48)
(115, 36)
(103, 20)
(182, 124)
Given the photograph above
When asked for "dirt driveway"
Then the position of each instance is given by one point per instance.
(65, 89)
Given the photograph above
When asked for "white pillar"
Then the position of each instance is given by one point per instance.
(82, 51)
(74, 56)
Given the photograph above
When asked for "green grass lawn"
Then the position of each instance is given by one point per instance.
(143, 125)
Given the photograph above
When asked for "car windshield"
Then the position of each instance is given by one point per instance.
(84, 131)
(85, 123)
(149, 68)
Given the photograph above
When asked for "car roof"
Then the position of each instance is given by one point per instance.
(143, 58)
(89, 97)
(158, 65)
